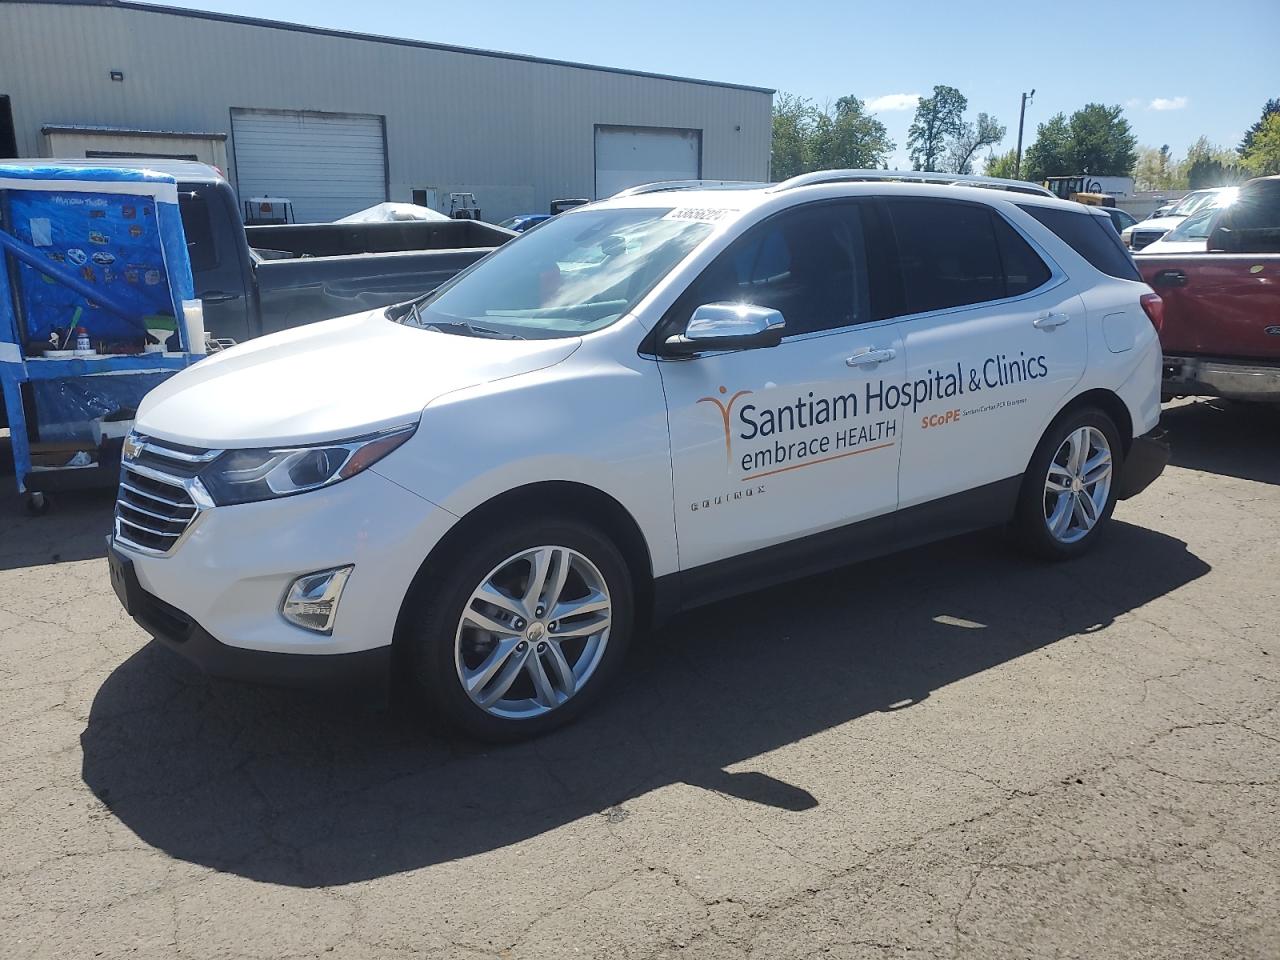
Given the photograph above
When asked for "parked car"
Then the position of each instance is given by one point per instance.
(1149, 231)
(1189, 236)
(645, 405)
(1120, 219)
(1221, 333)
(524, 221)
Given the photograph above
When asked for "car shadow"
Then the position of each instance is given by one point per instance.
(290, 788)
(1231, 439)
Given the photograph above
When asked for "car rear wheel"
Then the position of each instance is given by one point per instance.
(524, 631)
(1069, 490)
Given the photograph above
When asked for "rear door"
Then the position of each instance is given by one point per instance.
(995, 340)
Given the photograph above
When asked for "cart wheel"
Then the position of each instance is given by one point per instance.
(37, 504)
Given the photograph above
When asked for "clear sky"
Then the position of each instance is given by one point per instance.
(1180, 68)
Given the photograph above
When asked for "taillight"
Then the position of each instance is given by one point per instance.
(1154, 308)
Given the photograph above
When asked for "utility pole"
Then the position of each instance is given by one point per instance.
(1022, 114)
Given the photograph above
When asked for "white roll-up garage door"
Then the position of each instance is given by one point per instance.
(629, 156)
(328, 164)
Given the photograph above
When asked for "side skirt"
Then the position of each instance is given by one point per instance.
(991, 505)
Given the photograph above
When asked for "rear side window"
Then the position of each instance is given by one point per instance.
(1023, 268)
(1090, 237)
(955, 254)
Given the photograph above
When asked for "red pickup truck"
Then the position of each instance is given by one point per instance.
(1221, 328)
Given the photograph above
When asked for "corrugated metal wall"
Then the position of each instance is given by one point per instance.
(454, 120)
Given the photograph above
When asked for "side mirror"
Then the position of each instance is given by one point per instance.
(716, 327)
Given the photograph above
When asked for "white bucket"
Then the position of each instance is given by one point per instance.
(193, 325)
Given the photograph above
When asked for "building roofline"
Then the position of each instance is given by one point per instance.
(379, 38)
(128, 131)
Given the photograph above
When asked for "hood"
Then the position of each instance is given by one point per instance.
(1155, 223)
(339, 378)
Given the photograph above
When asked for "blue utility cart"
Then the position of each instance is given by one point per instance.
(100, 251)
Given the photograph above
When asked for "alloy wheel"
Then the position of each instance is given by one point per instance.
(533, 632)
(1078, 484)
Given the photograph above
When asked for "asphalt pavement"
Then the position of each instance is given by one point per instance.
(953, 752)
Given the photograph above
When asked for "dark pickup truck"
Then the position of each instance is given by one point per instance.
(256, 280)
(1221, 328)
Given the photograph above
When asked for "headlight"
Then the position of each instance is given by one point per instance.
(243, 476)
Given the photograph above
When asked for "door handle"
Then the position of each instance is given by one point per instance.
(870, 357)
(217, 296)
(1169, 278)
(1047, 321)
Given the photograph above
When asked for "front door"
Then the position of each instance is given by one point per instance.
(773, 444)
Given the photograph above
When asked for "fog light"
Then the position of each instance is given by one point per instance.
(312, 599)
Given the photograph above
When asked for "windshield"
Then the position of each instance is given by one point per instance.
(576, 273)
(1195, 227)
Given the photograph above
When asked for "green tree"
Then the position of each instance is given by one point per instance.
(848, 137)
(1101, 142)
(1157, 170)
(1004, 165)
(1262, 159)
(938, 119)
(1208, 165)
(806, 137)
(792, 127)
(1050, 153)
(1270, 109)
(971, 138)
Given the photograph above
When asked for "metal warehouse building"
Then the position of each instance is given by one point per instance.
(338, 121)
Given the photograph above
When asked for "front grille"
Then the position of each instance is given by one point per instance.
(155, 505)
(1145, 238)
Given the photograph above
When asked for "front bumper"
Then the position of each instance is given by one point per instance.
(1231, 379)
(234, 566)
(182, 634)
(1146, 460)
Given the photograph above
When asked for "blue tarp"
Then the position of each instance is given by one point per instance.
(118, 230)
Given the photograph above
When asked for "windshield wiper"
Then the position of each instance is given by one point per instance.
(467, 328)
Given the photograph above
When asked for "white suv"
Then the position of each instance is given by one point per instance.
(642, 405)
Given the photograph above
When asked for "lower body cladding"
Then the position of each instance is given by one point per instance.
(1230, 379)
(217, 598)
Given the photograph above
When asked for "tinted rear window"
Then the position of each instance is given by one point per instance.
(1089, 236)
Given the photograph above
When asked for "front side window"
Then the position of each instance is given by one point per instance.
(809, 263)
(576, 273)
(194, 211)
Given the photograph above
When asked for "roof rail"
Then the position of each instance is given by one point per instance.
(911, 176)
(664, 185)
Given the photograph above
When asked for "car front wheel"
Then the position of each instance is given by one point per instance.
(524, 630)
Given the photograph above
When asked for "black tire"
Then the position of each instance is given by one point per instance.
(1029, 521)
(430, 624)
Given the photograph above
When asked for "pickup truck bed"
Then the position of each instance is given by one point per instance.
(258, 280)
